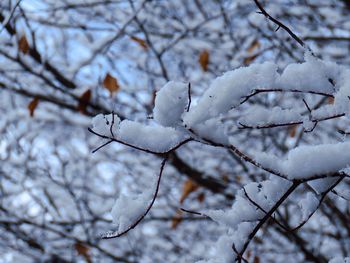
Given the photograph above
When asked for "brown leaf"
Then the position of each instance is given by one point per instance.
(176, 220)
(84, 101)
(249, 254)
(255, 45)
(188, 187)
(204, 59)
(293, 130)
(238, 178)
(225, 178)
(32, 106)
(23, 44)
(141, 42)
(330, 100)
(249, 59)
(111, 83)
(201, 197)
(83, 251)
(256, 259)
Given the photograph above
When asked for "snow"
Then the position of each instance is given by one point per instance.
(312, 75)
(258, 115)
(128, 208)
(242, 210)
(170, 103)
(154, 138)
(340, 260)
(226, 91)
(101, 124)
(307, 161)
(308, 205)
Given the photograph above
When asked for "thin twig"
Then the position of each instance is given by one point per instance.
(114, 234)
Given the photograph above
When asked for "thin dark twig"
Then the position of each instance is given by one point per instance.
(279, 24)
(240, 257)
(111, 128)
(11, 15)
(257, 91)
(101, 146)
(324, 194)
(268, 215)
(274, 125)
(193, 212)
(264, 211)
(115, 234)
(307, 106)
(189, 97)
(139, 148)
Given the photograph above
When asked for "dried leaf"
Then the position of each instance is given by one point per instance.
(188, 187)
(32, 106)
(255, 45)
(23, 44)
(204, 59)
(111, 83)
(176, 220)
(238, 179)
(330, 100)
(293, 130)
(248, 254)
(225, 178)
(201, 197)
(141, 42)
(249, 59)
(83, 251)
(256, 259)
(84, 101)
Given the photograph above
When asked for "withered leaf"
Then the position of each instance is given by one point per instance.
(204, 59)
(84, 101)
(111, 83)
(201, 197)
(83, 251)
(23, 45)
(293, 130)
(188, 187)
(330, 100)
(176, 220)
(32, 106)
(255, 45)
(140, 41)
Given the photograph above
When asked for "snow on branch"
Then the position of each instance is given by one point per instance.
(317, 167)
